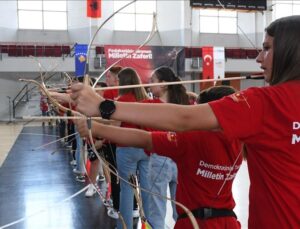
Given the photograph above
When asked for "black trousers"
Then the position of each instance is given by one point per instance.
(109, 151)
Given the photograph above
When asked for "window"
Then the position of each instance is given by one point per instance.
(44, 14)
(218, 21)
(285, 8)
(136, 17)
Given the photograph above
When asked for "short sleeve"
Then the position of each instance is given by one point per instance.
(167, 144)
(240, 115)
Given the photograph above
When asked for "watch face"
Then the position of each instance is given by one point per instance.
(108, 105)
(107, 108)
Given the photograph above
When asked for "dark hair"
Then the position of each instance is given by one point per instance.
(176, 93)
(286, 49)
(82, 80)
(115, 69)
(214, 93)
(101, 84)
(92, 81)
(128, 76)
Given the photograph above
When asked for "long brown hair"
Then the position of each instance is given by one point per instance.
(286, 49)
(128, 76)
(176, 93)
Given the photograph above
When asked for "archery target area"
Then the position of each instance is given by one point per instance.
(50, 178)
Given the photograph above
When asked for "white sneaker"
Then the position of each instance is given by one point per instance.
(73, 162)
(112, 213)
(136, 213)
(77, 172)
(90, 191)
(100, 178)
(108, 203)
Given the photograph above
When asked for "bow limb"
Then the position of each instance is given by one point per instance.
(184, 208)
(41, 67)
(147, 40)
(247, 77)
(53, 101)
(75, 113)
(99, 28)
(69, 78)
(105, 163)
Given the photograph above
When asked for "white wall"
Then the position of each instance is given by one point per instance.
(8, 22)
(170, 17)
(178, 24)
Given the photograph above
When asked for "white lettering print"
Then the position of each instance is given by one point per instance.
(216, 172)
(230, 176)
(296, 125)
(217, 167)
(296, 137)
(210, 175)
(130, 54)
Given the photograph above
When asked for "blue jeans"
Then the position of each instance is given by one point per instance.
(78, 154)
(162, 173)
(129, 160)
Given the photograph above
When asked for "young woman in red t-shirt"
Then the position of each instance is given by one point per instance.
(130, 159)
(207, 163)
(266, 119)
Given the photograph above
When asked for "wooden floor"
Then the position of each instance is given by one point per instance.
(8, 135)
(33, 181)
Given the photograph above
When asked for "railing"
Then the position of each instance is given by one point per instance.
(17, 100)
(23, 94)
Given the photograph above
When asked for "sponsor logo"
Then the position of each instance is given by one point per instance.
(171, 136)
(239, 97)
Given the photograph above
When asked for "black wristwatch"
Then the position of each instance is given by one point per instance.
(107, 108)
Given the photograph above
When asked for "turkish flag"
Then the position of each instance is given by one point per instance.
(213, 67)
(93, 8)
(208, 62)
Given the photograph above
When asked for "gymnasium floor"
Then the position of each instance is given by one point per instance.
(33, 181)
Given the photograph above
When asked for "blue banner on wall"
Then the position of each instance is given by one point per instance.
(80, 59)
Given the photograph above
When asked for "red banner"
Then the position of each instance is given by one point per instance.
(213, 66)
(93, 8)
(146, 59)
(208, 63)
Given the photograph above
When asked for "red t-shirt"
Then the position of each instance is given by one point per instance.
(268, 121)
(43, 103)
(111, 94)
(203, 159)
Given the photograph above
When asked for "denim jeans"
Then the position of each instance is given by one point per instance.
(78, 154)
(162, 173)
(129, 160)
